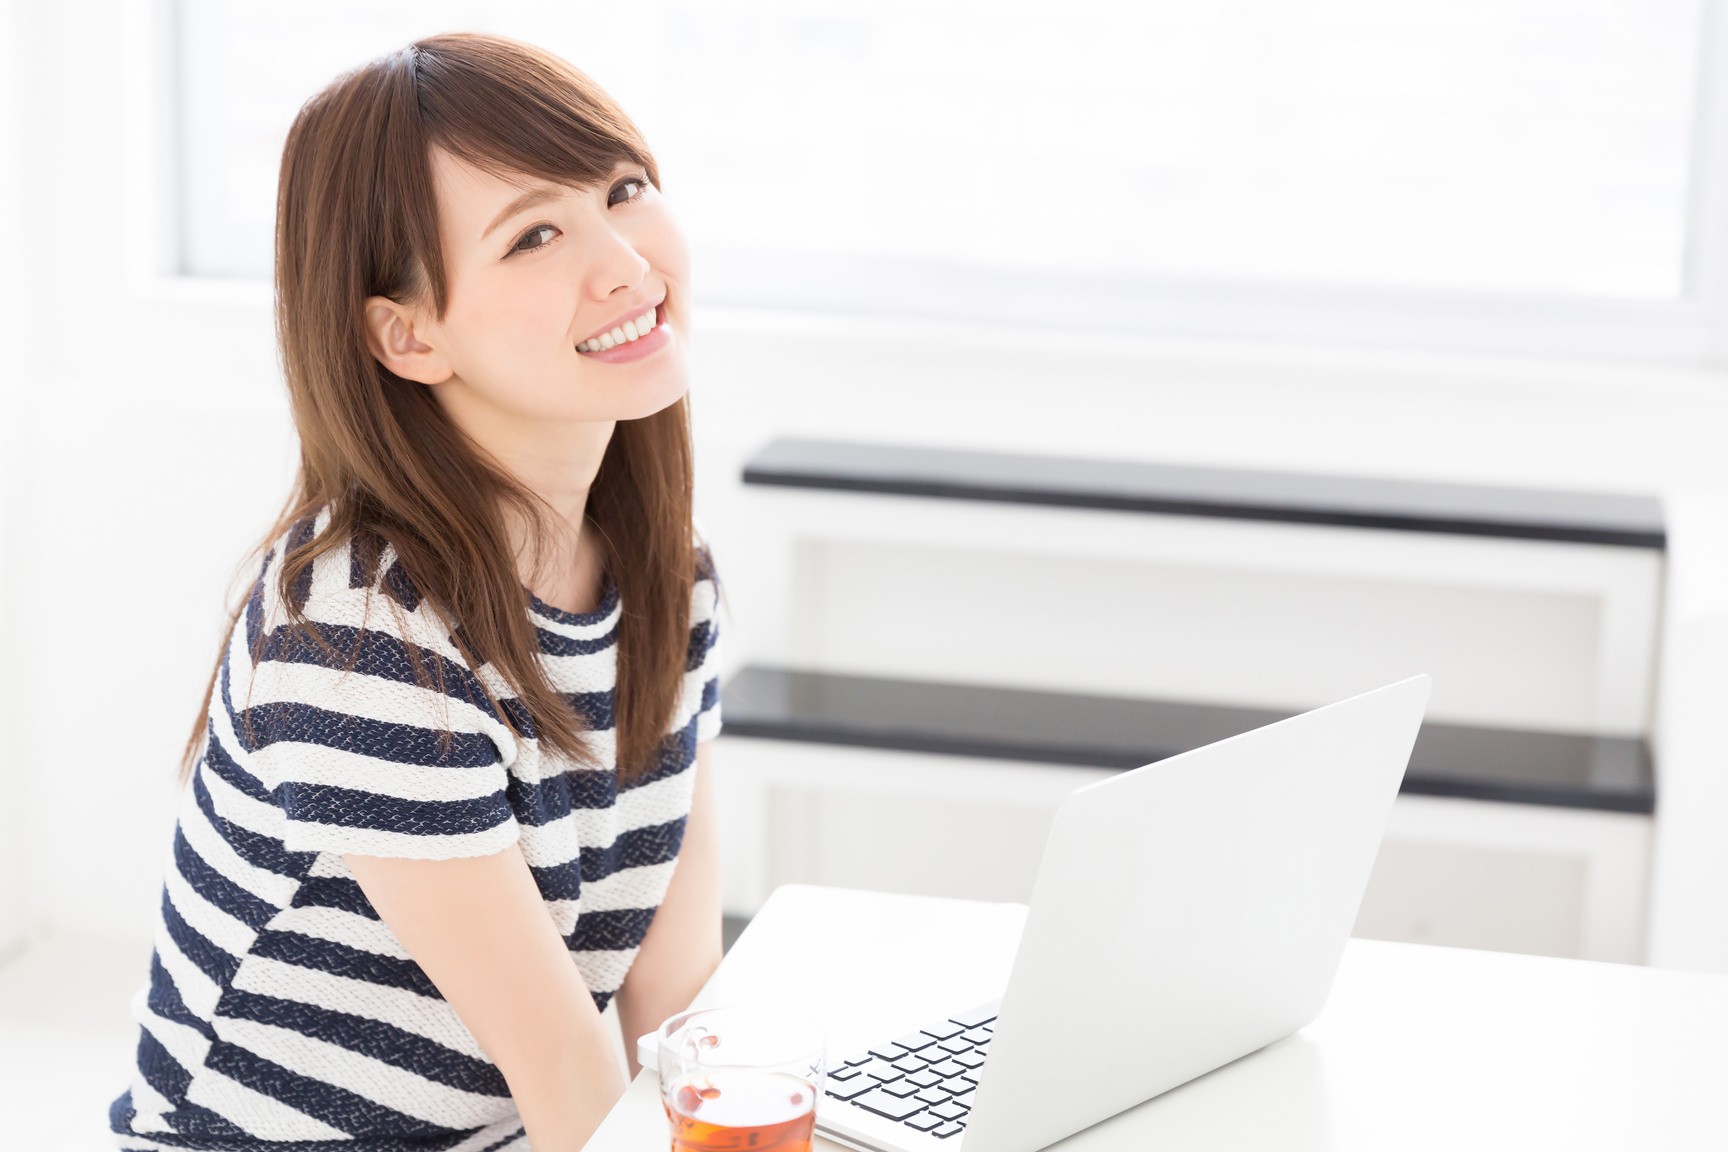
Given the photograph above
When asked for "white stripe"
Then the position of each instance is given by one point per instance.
(236, 807)
(641, 887)
(149, 1105)
(588, 630)
(354, 693)
(209, 921)
(220, 855)
(604, 971)
(433, 1019)
(365, 1076)
(186, 1045)
(329, 866)
(296, 763)
(255, 1113)
(197, 991)
(493, 1133)
(659, 802)
(309, 837)
(341, 927)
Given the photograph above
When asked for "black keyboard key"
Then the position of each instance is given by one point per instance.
(888, 1053)
(948, 1111)
(924, 1079)
(844, 1072)
(942, 1029)
(972, 1075)
(908, 1064)
(977, 1035)
(965, 1099)
(913, 1041)
(949, 1129)
(956, 1045)
(957, 1085)
(933, 1095)
(970, 1059)
(902, 1088)
(877, 1070)
(861, 1058)
(924, 1121)
(982, 1014)
(947, 1069)
(852, 1088)
(885, 1105)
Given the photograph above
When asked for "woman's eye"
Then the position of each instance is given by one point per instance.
(536, 237)
(628, 190)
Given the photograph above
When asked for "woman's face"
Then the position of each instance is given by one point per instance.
(565, 305)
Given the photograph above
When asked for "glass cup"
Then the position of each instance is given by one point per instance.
(741, 1079)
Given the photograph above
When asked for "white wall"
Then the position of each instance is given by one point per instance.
(146, 444)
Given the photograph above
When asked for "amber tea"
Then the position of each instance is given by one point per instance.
(740, 1110)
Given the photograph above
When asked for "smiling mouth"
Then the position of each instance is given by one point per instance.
(628, 332)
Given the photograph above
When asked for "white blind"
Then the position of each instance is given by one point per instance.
(1501, 146)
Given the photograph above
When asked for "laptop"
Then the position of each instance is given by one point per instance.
(1185, 914)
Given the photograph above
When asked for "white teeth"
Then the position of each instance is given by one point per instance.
(623, 334)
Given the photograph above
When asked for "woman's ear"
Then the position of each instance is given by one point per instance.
(390, 336)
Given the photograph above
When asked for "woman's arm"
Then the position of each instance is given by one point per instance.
(682, 947)
(480, 931)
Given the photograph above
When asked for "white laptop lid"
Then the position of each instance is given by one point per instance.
(1190, 912)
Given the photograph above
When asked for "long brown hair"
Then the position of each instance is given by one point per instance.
(356, 216)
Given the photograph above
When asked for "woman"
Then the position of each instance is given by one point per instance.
(450, 794)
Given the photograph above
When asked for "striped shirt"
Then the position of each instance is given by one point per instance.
(280, 1012)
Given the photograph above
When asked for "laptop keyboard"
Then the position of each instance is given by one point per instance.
(924, 1079)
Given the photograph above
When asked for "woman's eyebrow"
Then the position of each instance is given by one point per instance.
(522, 203)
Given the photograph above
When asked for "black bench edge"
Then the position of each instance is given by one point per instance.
(896, 481)
(1636, 796)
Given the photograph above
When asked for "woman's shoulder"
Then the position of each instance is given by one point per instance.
(341, 595)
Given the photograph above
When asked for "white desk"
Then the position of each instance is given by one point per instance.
(1418, 1047)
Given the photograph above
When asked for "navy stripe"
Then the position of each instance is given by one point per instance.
(400, 588)
(636, 848)
(217, 888)
(343, 1110)
(160, 1070)
(380, 1041)
(334, 892)
(258, 850)
(701, 639)
(299, 536)
(164, 1000)
(368, 652)
(595, 710)
(616, 930)
(558, 644)
(341, 960)
(291, 720)
(120, 1113)
(218, 761)
(208, 957)
(333, 806)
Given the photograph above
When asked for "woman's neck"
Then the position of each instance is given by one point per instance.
(565, 565)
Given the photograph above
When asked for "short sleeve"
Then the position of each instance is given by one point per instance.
(701, 694)
(364, 754)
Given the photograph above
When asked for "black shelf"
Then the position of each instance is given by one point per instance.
(1608, 774)
(1126, 486)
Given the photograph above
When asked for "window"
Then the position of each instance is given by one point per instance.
(1096, 164)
